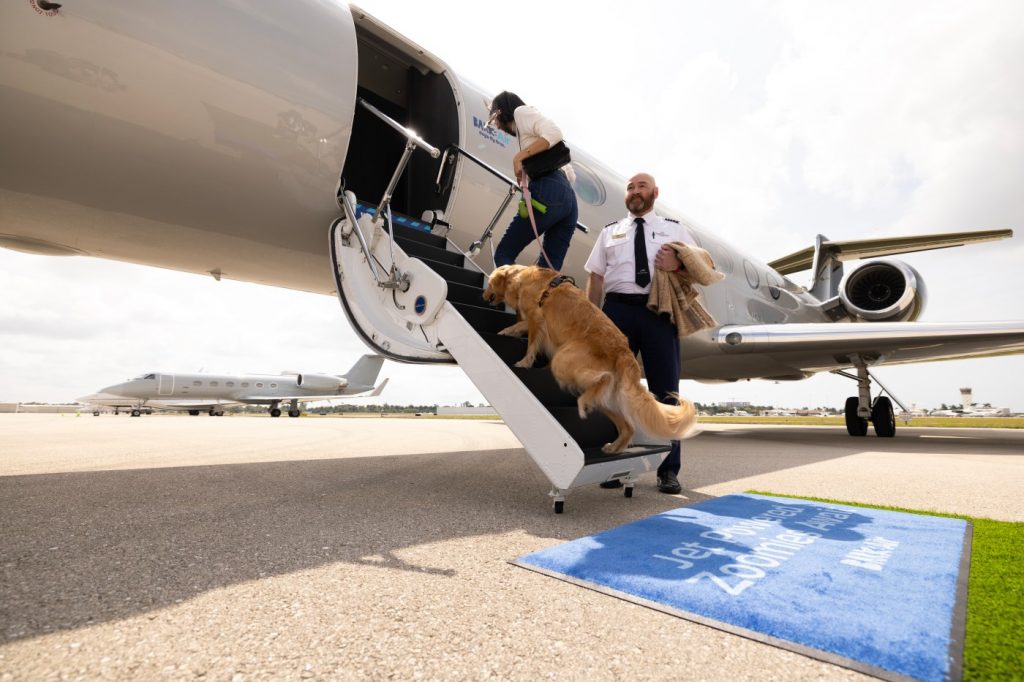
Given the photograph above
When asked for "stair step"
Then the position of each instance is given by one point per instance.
(510, 349)
(594, 455)
(419, 250)
(421, 236)
(452, 273)
(485, 320)
(542, 384)
(462, 293)
(594, 431)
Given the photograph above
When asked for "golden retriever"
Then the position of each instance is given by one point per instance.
(590, 357)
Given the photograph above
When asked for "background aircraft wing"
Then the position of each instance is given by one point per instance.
(824, 346)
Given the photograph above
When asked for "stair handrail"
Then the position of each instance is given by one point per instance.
(395, 280)
(453, 151)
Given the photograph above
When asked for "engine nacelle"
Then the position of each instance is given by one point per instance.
(323, 383)
(883, 290)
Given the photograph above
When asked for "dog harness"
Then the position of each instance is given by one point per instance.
(555, 282)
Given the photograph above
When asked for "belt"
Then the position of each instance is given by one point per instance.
(628, 299)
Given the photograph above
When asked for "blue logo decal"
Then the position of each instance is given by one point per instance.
(491, 134)
(420, 305)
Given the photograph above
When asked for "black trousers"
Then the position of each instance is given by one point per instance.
(655, 338)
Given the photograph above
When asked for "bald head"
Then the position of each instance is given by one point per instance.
(641, 192)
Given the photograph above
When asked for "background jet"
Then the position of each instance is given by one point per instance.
(211, 393)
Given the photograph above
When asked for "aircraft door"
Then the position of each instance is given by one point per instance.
(165, 384)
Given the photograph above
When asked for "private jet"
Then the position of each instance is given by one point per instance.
(308, 145)
(211, 393)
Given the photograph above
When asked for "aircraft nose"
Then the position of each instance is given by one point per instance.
(118, 389)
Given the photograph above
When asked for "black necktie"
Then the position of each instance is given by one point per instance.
(643, 275)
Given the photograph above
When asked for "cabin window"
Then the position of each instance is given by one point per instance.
(753, 279)
(245, 384)
(214, 383)
(230, 384)
(197, 383)
(589, 187)
(273, 385)
(259, 384)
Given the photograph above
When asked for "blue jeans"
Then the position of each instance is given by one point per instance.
(657, 341)
(557, 225)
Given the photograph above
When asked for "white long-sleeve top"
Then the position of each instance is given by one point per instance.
(531, 125)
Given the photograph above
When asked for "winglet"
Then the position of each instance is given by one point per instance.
(377, 391)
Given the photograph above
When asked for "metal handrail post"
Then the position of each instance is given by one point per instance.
(410, 146)
(475, 247)
(350, 214)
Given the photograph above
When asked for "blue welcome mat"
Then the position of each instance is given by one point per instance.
(877, 591)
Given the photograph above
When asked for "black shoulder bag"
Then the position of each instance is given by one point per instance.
(547, 161)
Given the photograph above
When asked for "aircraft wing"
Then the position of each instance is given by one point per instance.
(816, 347)
(883, 246)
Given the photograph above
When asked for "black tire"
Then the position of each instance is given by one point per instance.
(136, 413)
(855, 426)
(883, 418)
(559, 506)
(96, 413)
(193, 413)
(628, 492)
(293, 413)
(275, 412)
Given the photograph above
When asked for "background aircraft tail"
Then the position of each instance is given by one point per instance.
(365, 371)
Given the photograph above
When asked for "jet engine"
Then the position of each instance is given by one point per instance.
(883, 290)
(324, 383)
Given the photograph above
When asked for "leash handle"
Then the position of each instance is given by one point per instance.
(524, 185)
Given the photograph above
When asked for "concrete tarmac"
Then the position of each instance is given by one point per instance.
(237, 548)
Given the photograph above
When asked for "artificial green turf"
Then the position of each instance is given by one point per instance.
(994, 645)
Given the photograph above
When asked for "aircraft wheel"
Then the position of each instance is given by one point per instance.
(855, 426)
(275, 412)
(628, 492)
(193, 413)
(293, 413)
(96, 413)
(559, 506)
(219, 413)
(212, 412)
(136, 413)
(883, 418)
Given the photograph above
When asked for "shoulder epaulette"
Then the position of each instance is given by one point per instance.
(672, 220)
(614, 222)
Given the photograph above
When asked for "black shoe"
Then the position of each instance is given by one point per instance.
(668, 483)
(614, 483)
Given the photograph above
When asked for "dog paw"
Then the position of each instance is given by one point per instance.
(611, 449)
(526, 363)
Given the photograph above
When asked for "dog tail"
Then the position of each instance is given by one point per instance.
(674, 422)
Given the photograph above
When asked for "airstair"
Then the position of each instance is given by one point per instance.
(415, 296)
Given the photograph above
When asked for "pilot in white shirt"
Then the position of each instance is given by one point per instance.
(614, 275)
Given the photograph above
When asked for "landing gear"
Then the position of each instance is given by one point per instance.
(860, 409)
(193, 413)
(294, 409)
(214, 412)
(96, 413)
(293, 413)
(136, 413)
(883, 418)
(855, 424)
(275, 412)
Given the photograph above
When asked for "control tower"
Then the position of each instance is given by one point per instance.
(965, 398)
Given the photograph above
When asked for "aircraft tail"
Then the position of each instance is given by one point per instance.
(365, 371)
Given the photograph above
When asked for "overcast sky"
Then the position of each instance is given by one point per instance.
(767, 122)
